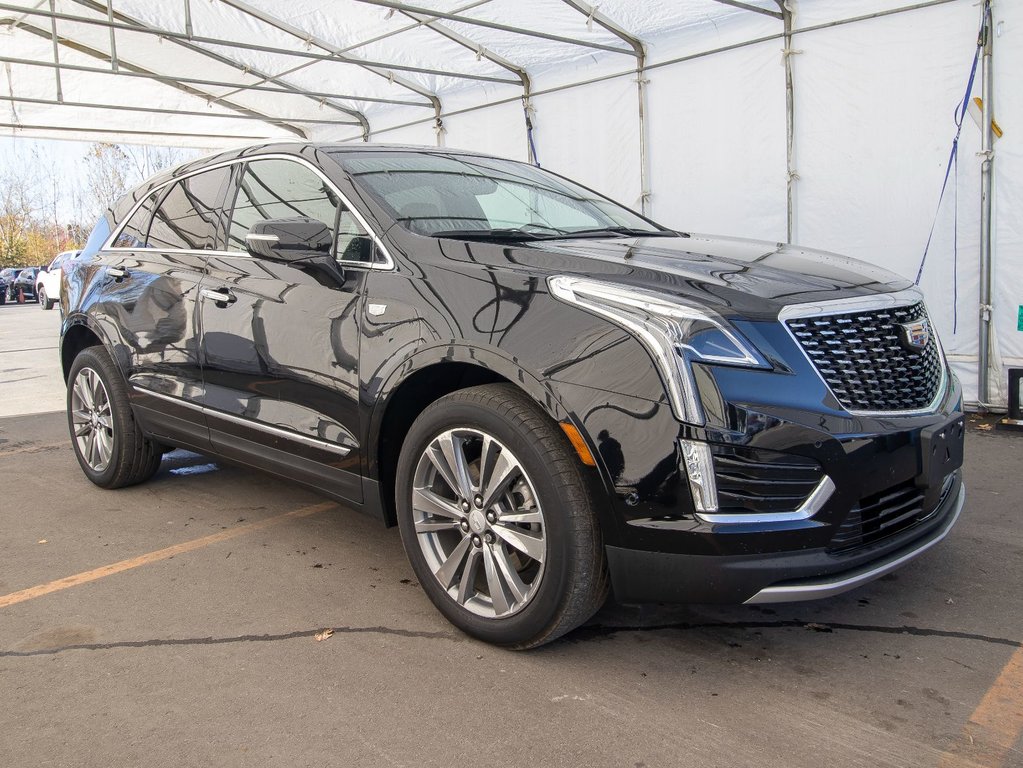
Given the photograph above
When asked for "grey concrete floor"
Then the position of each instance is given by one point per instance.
(206, 654)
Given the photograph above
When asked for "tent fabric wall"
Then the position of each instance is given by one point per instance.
(876, 83)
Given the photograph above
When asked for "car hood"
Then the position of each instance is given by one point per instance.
(739, 277)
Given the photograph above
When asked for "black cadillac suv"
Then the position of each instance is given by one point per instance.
(550, 395)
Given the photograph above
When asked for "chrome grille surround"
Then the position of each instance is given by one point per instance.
(829, 333)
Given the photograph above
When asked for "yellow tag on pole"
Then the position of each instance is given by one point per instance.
(976, 110)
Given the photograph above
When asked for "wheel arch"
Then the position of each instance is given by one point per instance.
(78, 334)
(422, 380)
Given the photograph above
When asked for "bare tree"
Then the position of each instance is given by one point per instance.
(108, 173)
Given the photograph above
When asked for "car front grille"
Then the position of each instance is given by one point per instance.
(861, 357)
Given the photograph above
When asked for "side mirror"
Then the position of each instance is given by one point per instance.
(289, 239)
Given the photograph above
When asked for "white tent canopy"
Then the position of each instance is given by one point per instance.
(676, 106)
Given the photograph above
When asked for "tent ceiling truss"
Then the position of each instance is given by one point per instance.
(422, 17)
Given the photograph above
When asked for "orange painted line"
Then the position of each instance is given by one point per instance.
(152, 557)
(995, 725)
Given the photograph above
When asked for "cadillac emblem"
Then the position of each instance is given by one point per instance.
(915, 335)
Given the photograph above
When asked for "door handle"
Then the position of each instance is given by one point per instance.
(117, 273)
(222, 296)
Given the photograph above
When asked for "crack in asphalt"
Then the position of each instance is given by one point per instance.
(161, 642)
(605, 630)
(580, 635)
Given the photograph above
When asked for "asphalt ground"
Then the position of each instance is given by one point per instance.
(175, 624)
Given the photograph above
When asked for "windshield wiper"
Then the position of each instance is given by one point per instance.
(627, 231)
(508, 233)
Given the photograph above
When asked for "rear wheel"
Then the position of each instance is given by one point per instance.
(108, 443)
(497, 520)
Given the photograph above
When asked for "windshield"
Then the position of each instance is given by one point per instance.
(452, 195)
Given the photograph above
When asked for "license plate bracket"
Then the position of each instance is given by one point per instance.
(941, 451)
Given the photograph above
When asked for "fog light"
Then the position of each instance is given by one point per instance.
(699, 466)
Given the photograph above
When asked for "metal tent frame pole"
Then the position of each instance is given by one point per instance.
(238, 87)
(183, 41)
(986, 190)
(790, 124)
(639, 50)
(482, 52)
(127, 68)
(495, 25)
(335, 53)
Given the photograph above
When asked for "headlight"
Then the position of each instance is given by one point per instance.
(675, 334)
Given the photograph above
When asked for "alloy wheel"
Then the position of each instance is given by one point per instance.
(92, 419)
(479, 523)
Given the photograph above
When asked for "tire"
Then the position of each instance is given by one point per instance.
(493, 590)
(43, 299)
(3, 298)
(130, 457)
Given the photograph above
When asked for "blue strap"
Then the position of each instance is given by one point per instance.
(953, 158)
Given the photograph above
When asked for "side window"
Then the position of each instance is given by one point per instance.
(282, 189)
(134, 232)
(189, 214)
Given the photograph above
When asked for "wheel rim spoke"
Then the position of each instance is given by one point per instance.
(105, 447)
(454, 454)
(440, 463)
(429, 526)
(505, 470)
(468, 580)
(515, 585)
(497, 596)
(447, 572)
(527, 518)
(529, 545)
(426, 501)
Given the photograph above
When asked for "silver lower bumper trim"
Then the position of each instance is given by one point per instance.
(843, 582)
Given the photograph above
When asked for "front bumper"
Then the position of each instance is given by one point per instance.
(643, 576)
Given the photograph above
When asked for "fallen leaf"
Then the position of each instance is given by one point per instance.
(986, 427)
(42, 541)
(324, 634)
(818, 627)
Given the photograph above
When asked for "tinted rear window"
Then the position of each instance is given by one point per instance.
(189, 214)
(136, 229)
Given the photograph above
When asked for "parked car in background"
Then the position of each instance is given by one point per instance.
(547, 392)
(7, 278)
(48, 279)
(24, 284)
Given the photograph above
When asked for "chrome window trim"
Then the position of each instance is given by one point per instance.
(873, 303)
(257, 425)
(813, 504)
(388, 263)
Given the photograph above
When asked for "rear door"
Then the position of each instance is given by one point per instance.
(153, 273)
(279, 346)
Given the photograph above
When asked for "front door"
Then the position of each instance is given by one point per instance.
(279, 343)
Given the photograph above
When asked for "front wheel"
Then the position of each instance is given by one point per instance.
(108, 443)
(497, 519)
(44, 300)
